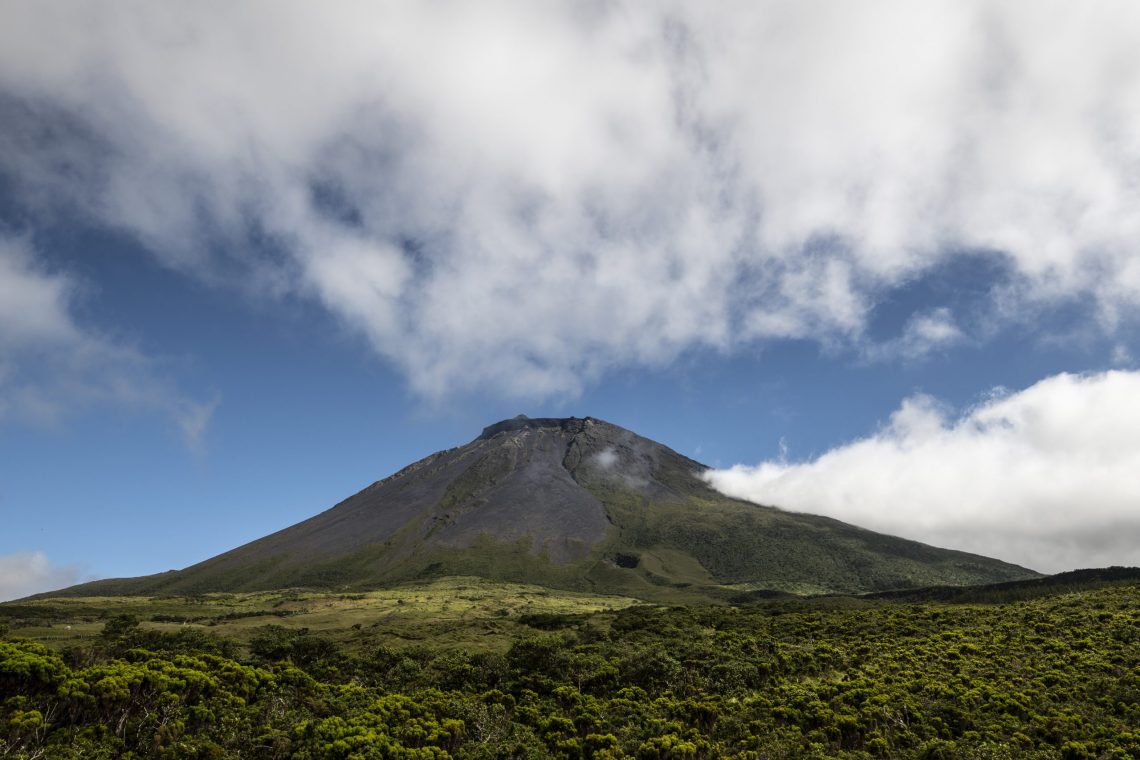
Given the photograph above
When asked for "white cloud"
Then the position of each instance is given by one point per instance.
(520, 196)
(29, 573)
(51, 365)
(32, 302)
(924, 333)
(1045, 477)
(1122, 356)
(606, 458)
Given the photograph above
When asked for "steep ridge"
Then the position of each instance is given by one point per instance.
(574, 503)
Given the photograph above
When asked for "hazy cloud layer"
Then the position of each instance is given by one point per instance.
(1045, 477)
(520, 196)
(51, 365)
(31, 573)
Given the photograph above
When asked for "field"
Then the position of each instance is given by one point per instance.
(467, 668)
(450, 613)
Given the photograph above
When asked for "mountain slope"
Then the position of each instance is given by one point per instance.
(570, 503)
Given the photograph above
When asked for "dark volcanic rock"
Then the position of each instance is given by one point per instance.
(522, 422)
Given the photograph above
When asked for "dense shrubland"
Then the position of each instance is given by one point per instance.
(1054, 677)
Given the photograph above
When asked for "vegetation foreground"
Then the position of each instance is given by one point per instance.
(470, 669)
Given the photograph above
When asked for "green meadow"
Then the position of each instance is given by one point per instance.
(448, 613)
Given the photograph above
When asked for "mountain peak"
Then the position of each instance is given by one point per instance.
(522, 422)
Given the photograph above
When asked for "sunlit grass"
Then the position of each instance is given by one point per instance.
(457, 611)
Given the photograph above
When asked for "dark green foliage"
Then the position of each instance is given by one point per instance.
(316, 654)
(1053, 677)
(123, 633)
(1017, 591)
(548, 621)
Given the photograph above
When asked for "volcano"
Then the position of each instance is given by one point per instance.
(575, 503)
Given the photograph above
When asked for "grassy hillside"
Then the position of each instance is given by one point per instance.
(1075, 581)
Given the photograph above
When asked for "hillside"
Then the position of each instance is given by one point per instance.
(576, 504)
(1073, 581)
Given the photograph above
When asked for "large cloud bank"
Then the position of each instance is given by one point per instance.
(1045, 477)
(520, 196)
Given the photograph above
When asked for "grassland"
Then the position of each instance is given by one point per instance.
(464, 612)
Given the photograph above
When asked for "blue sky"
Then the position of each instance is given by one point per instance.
(872, 262)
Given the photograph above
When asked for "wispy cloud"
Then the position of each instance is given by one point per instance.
(31, 573)
(522, 196)
(51, 365)
(1045, 477)
(923, 334)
